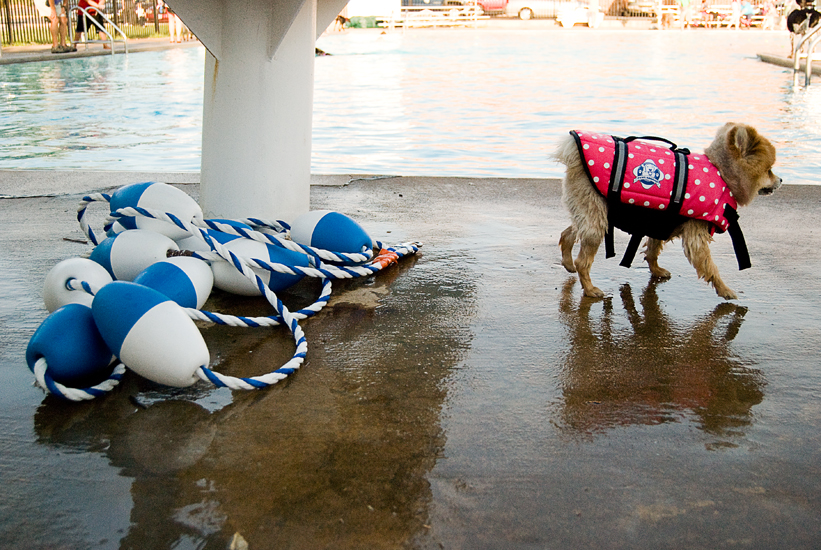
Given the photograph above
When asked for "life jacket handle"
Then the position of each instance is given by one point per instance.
(673, 147)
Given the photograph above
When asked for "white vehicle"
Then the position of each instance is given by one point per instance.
(567, 13)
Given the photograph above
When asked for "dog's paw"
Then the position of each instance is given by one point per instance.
(569, 266)
(660, 273)
(727, 294)
(593, 292)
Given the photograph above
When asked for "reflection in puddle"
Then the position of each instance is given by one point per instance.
(336, 457)
(653, 369)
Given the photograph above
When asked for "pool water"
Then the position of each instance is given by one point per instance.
(473, 102)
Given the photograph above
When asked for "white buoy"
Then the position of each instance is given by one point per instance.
(156, 196)
(126, 254)
(187, 281)
(55, 292)
(229, 279)
(197, 244)
(150, 333)
(332, 231)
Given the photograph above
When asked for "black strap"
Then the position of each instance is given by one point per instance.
(680, 183)
(609, 247)
(617, 173)
(632, 248)
(673, 147)
(739, 244)
(614, 187)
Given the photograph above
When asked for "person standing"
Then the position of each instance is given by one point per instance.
(58, 25)
(174, 25)
(84, 24)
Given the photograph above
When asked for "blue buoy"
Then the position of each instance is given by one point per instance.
(75, 352)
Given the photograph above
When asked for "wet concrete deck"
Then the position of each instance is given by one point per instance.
(467, 398)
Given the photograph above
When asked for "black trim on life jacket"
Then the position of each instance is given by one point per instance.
(614, 189)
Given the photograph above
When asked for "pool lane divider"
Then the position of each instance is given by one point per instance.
(132, 304)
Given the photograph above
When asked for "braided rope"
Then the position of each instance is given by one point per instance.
(81, 213)
(267, 238)
(43, 380)
(270, 233)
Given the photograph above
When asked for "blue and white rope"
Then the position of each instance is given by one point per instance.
(43, 380)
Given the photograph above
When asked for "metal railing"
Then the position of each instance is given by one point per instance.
(80, 12)
(22, 23)
(811, 39)
(464, 15)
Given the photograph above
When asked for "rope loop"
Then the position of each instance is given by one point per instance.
(43, 380)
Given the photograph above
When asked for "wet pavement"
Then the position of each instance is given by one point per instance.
(469, 397)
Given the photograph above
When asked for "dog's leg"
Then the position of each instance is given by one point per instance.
(566, 242)
(587, 252)
(696, 240)
(652, 249)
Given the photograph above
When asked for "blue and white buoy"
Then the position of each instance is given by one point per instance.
(229, 279)
(150, 333)
(332, 231)
(187, 281)
(158, 196)
(126, 254)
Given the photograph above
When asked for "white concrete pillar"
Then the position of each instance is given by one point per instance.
(258, 102)
(257, 105)
(257, 111)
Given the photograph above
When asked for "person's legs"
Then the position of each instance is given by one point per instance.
(63, 26)
(52, 27)
(101, 35)
(174, 28)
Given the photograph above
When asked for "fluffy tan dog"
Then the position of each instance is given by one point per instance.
(744, 159)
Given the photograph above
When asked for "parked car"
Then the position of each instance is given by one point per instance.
(528, 9)
(493, 7)
(432, 3)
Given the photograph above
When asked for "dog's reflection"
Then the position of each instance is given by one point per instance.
(634, 367)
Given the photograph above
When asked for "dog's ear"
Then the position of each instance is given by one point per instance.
(738, 141)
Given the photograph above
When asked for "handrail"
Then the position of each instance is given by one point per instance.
(89, 17)
(810, 54)
(797, 56)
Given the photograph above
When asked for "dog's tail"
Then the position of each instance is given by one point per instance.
(567, 153)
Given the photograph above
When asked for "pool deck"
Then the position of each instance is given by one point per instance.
(469, 397)
(782, 61)
(39, 52)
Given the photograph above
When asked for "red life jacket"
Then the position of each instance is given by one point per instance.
(652, 188)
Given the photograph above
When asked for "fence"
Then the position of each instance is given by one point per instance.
(22, 23)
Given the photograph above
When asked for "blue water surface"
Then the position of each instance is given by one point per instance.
(456, 102)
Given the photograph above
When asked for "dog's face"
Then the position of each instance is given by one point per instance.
(746, 160)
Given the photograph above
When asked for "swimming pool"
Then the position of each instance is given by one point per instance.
(472, 102)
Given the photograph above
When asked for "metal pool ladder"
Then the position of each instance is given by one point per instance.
(81, 12)
(812, 37)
